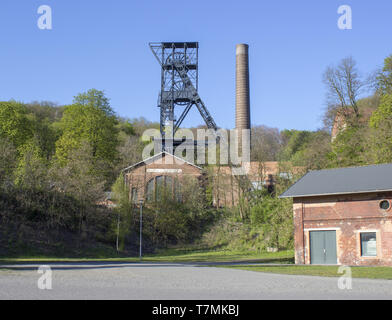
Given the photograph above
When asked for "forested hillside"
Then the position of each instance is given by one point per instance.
(57, 164)
(357, 105)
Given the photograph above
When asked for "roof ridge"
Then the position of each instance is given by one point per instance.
(356, 179)
(281, 196)
(352, 167)
(157, 155)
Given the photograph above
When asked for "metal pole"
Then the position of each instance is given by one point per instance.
(118, 231)
(141, 229)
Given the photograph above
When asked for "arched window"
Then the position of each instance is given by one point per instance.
(177, 190)
(161, 185)
(169, 183)
(150, 190)
(134, 195)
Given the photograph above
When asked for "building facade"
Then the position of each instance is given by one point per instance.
(165, 169)
(229, 188)
(343, 216)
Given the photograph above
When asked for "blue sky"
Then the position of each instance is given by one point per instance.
(104, 45)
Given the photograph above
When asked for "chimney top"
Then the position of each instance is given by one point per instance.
(242, 49)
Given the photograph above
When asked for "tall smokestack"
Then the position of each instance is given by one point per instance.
(242, 118)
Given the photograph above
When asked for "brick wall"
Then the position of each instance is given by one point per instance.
(348, 215)
(139, 176)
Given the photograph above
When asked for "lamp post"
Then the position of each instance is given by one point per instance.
(141, 227)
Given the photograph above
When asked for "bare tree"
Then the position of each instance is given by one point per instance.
(80, 178)
(344, 85)
(130, 152)
(266, 143)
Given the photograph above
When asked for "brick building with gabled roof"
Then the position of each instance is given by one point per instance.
(163, 169)
(145, 177)
(343, 216)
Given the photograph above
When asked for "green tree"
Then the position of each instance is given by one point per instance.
(96, 99)
(89, 119)
(384, 78)
(348, 149)
(122, 227)
(315, 153)
(44, 117)
(31, 172)
(293, 141)
(380, 140)
(14, 123)
(274, 217)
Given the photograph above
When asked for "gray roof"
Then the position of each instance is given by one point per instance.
(374, 178)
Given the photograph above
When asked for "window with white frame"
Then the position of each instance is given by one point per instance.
(368, 244)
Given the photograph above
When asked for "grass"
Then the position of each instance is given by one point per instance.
(180, 255)
(7, 271)
(322, 271)
(172, 255)
(177, 255)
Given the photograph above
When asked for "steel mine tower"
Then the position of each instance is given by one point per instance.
(179, 86)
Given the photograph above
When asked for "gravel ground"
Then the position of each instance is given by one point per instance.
(165, 281)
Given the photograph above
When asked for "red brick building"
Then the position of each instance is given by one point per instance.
(164, 169)
(343, 216)
(226, 186)
(145, 177)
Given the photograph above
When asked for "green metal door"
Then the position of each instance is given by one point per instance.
(317, 247)
(323, 247)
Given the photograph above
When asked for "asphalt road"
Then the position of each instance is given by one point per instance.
(164, 281)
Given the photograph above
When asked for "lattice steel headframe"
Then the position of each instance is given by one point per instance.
(179, 84)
